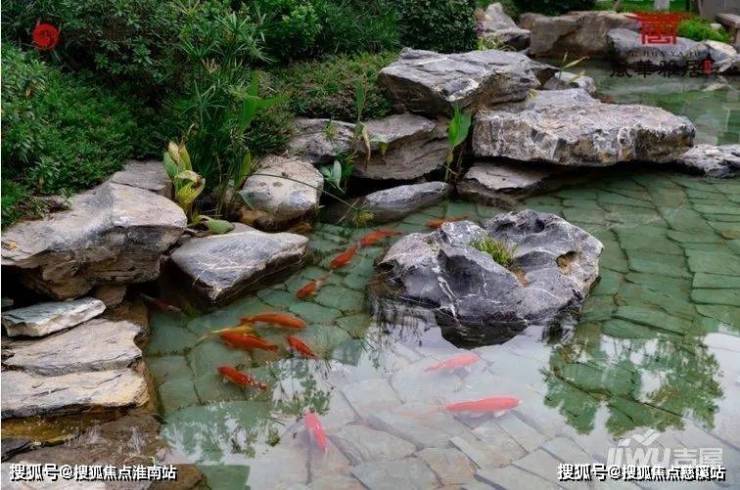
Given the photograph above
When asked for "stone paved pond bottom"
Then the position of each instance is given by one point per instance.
(655, 358)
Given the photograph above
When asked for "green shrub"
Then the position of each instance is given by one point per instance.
(123, 41)
(501, 252)
(445, 26)
(700, 30)
(59, 133)
(553, 7)
(327, 88)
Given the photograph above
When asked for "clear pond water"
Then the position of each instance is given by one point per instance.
(656, 349)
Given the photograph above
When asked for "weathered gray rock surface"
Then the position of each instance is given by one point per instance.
(223, 266)
(575, 33)
(476, 299)
(627, 47)
(564, 80)
(361, 444)
(409, 473)
(714, 161)
(431, 83)
(495, 24)
(148, 175)
(113, 234)
(27, 394)
(402, 146)
(497, 183)
(96, 345)
(44, 318)
(570, 128)
(394, 203)
(282, 201)
(725, 57)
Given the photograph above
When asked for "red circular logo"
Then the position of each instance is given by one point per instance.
(45, 37)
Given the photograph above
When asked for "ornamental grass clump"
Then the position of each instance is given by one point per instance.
(501, 252)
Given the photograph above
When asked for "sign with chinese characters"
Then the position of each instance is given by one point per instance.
(658, 27)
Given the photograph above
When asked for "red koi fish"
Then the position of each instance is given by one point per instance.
(274, 318)
(310, 288)
(299, 346)
(437, 222)
(246, 342)
(495, 404)
(375, 236)
(239, 378)
(343, 258)
(314, 427)
(455, 362)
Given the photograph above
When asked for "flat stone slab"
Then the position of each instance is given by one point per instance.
(713, 161)
(394, 203)
(223, 266)
(282, 201)
(431, 83)
(628, 48)
(97, 345)
(148, 175)
(494, 183)
(402, 146)
(28, 394)
(407, 473)
(591, 133)
(450, 465)
(362, 445)
(112, 234)
(44, 318)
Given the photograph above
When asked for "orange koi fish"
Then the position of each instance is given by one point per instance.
(239, 378)
(247, 342)
(343, 258)
(493, 404)
(314, 427)
(455, 362)
(437, 222)
(242, 328)
(299, 346)
(274, 318)
(311, 288)
(375, 236)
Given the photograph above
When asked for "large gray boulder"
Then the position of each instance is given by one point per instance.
(494, 24)
(626, 47)
(431, 83)
(394, 203)
(27, 394)
(281, 202)
(725, 57)
(220, 267)
(564, 80)
(44, 318)
(498, 183)
(572, 129)
(97, 345)
(402, 146)
(113, 234)
(474, 298)
(576, 33)
(713, 161)
(149, 175)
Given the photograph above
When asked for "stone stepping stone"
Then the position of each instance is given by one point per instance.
(713, 161)
(28, 394)
(362, 445)
(221, 267)
(275, 202)
(496, 183)
(148, 175)
(407, 473)
(569, 128)
(112, 234)
(45, 318)
(96, 345)
(431, 83)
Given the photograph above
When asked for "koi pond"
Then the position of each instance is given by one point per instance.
(653, 362)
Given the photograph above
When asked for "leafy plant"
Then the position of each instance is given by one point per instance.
(338, 173)
(553, 7)
(699, 29)
(446, 26)
(501, 252)
(188, 184)
(457, 133)
(565, 64)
